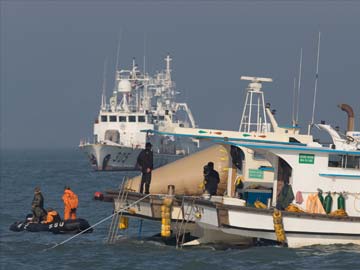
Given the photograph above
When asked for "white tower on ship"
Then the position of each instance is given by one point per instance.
(168, 59)
(253, 118)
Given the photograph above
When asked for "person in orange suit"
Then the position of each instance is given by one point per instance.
(52, 216)
(71, 202)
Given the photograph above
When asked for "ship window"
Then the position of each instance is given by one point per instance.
(132, 118)
(141, 118)
(161, 118)
(344, 161)
(112, 118)
(104, 118)
(258, 156)
(293, 140)
(122, 118)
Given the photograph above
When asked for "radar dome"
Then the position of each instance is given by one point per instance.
(124, 86)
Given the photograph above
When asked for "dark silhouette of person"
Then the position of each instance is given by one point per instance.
(37, 206)
(212, 179)
(145, 163)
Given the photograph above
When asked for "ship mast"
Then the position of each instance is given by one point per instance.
(103, 94)
(254, 115)
(168, 59)
(316, 83)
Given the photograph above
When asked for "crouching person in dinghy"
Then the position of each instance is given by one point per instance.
(52, 216)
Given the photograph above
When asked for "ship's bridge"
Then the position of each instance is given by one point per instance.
(123, 118)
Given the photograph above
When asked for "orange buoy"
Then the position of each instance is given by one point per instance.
(98, 196)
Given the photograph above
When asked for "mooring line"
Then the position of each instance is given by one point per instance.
(93, 226)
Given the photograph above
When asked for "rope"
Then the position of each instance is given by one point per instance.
(294, 208)
(96, 224)
(339, 213)
(259, 204)
(355, 194)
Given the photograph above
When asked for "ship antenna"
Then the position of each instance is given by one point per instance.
(168, 70)
(118, 51)
(103, 94)
(316, 82)
(144, 60)
(293, 105)
(117, 60)
(299, 88)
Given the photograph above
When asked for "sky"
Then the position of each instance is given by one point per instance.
(52, 56)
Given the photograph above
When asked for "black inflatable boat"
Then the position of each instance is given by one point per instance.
(68, 226)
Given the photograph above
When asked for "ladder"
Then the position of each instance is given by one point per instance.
(181, 224)
(122, 197)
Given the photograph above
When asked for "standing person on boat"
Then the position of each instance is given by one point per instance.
(37, 206)
(145, 163)
(212, 179)
(285, 197)
(71, 202)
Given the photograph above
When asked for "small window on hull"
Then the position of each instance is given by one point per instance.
(132, 118)
(344, 161)
(122, 118)
(104, 118)
(141, 118)
(112, 118)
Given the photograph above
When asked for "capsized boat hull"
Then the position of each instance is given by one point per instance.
(186, 174)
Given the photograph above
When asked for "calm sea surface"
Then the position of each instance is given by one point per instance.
(21, 171)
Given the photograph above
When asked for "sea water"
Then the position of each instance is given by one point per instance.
(22, 170)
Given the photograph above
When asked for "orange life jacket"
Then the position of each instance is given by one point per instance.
(70, 199)
(52, 216)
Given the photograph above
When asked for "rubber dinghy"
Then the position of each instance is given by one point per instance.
(68, 226)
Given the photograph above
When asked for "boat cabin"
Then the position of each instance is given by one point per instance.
(309, 170)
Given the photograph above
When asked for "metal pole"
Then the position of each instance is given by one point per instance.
(250, 111)
(316, 82)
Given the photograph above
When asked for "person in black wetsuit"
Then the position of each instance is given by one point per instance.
(37, 206)
(145, 163)
(212, 179)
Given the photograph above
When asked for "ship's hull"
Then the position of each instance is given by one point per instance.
(105, 157)
(300, 229)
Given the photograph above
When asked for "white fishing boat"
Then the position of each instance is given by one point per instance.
(298, 160)
(139, 102)
(308, 169)
(254, 127)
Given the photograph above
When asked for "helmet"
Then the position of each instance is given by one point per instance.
(148, 145)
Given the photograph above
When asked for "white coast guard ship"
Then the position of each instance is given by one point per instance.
(139, 102)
